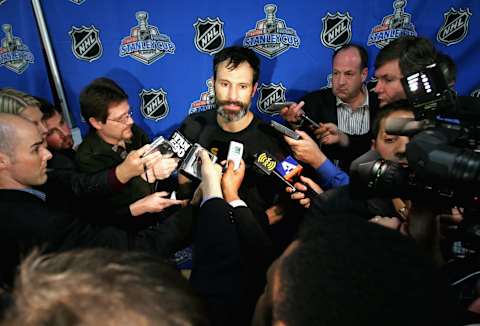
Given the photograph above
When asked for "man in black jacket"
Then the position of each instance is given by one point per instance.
(112, 138)
(345, 111)
(26, 220)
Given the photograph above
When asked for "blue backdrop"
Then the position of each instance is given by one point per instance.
(160, 52)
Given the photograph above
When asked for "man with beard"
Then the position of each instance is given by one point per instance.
(112, 139)
(235, 74)
(345, 111)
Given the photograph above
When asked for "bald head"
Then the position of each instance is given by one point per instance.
(23, 153)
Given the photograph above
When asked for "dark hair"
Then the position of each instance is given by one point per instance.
(386, 111)
(235, 56)
(413, 54)
(361, 51)
(102, 287)
(47, 108)
(98, 96)
(347, 271)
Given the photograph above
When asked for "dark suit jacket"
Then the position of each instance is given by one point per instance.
(231, 257)
(66, 184)
(320, 106)
(27, 223)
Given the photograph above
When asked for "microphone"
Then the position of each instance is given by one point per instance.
(285, 170)
(180, 144)
(291, 170)
(267, 163)
(310, 121)
(404, 126)
(288, 168)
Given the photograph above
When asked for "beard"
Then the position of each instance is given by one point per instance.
(232, 116)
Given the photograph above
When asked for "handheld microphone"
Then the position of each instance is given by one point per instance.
(310, 121)
(404, 126)
(180, 144)
(291, 170)
(288, 168)
(267, 164)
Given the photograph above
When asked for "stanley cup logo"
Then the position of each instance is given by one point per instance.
(271, 36)
(8, 42)
(143, 33)
(145, 43)
(16, 56)
(270, 23)
(399, 14)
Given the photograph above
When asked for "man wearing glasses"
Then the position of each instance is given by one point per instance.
(113, 135)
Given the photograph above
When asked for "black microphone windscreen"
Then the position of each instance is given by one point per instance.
(403, 126)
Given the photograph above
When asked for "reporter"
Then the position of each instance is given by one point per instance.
(231, 251)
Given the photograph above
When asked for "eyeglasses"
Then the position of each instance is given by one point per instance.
(124, 119)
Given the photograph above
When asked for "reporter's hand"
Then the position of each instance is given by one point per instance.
(328, 133)
(163, 167)
(388, 222)
(301, 187)
(232, 180)
(293, 112)
(134, 165)
(211, 176)
(274, 214)
(153, 203)
(306, 149)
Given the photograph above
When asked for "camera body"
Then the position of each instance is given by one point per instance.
(441, 155)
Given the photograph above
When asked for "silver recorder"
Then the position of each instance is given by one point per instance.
(160, 144)
(191, 164)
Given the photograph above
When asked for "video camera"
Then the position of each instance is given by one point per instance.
(442, 156)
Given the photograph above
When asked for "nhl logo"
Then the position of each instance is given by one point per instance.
(86, 43)
(209, 36)
(77, 2)
(154, 105)
(475, 93)
(392, 26)
(14, 54)
(271, 36)
(270, 94)
(455, 26)
(145, 42)
(207, 99)
(337, 30)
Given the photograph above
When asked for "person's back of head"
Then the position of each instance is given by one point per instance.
(47, 108)
(346, 271)
(98, 96)
(101, 287)
(14, 101)
(413, 54)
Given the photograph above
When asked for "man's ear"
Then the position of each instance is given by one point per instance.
(95, 123)
(374, 144)
(5, 161)
(254, 89)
